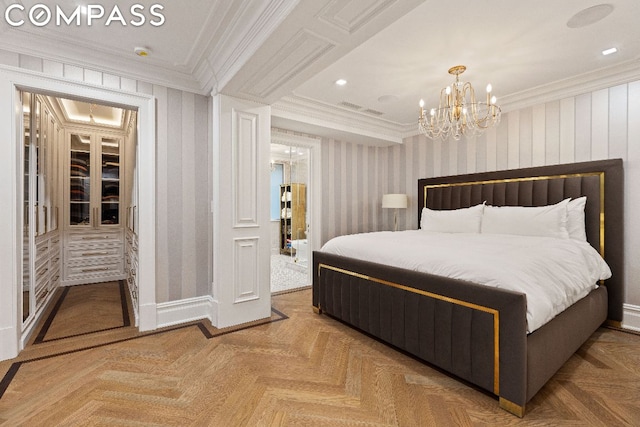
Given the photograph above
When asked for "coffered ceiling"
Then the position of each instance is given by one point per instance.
(289, 53)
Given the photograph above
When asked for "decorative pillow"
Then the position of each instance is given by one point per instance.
(463, 220)
(544, 221)
(575, 219)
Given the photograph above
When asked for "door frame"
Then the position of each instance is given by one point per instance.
(314, 192)
(13, 80)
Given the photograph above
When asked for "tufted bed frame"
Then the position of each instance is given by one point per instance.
(475, 332)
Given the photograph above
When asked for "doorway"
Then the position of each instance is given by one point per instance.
(295, 208)
(289, 217)
(79, 193)
(12, 82)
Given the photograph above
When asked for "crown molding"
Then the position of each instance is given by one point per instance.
(281, 136)
(101, 61)
(335, 118)
(240, 42)
(573, 86)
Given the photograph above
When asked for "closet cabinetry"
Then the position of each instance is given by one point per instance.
(293, 211)
(41, 261)
(94, 235)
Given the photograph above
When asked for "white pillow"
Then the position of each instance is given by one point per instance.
(575, 219)
(544, 221)
(463, 220)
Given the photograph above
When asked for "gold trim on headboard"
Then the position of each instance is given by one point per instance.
(492, 311)
(534, 178)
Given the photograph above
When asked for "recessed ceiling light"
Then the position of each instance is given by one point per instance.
(341, 82)
(609, 51)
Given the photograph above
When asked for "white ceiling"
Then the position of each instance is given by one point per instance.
(90, 113)
(392, 52)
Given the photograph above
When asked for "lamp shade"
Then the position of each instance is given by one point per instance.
(398, 201)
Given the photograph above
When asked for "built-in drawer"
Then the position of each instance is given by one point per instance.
(90, 236)
(92, 252)
(42, 246)
(108, 267)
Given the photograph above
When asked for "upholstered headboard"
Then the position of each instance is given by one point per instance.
(601, 181)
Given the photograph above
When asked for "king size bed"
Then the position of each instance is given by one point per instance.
(484, 334)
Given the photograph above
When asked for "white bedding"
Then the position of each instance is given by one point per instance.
(553, 273)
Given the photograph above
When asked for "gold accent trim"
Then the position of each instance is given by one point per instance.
(600, 174)
(602, 214)
(317, 310)
(613, 323)
(492, 311)
(511, 407)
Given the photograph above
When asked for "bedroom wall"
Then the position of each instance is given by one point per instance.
(183, 220)
(604, 124)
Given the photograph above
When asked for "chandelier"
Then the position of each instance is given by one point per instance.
(459, 113)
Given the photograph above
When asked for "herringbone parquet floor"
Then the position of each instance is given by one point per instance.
(304, 370)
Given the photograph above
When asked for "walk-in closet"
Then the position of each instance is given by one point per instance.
(79, 199)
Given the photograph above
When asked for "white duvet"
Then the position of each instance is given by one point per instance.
(553, 273)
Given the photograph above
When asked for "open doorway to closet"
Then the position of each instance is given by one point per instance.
(290, 208)
(79, 216)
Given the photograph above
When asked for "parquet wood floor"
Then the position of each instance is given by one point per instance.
(300, 370)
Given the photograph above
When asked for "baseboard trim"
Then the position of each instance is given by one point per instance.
(183, 311)
(147, 317)
(8, 343)
(631, 317)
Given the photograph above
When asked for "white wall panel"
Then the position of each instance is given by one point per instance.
(492, 150)
(538, 117)
(162, 196)
(128, 85)
(471, 153)
(600, 124)
(343, 189)
(245, 163)
(525, 136)
(189, 227)
(552, 132)
(246, 274)
(513, 142)
(111, 81)
(93, 77)
(30, 63)
(72, 72)
(502, 144)
(632, 199)
(567, 130)
(618, 122)
(436, 159)
(583, 128)
(53, 68)
(144, 87)
(9, 58)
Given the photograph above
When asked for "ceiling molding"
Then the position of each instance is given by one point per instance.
(573, 86)
(284, 137)
(243, 39)
(302, 50)
(334, 118)
(68, 54)
(351, 22)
